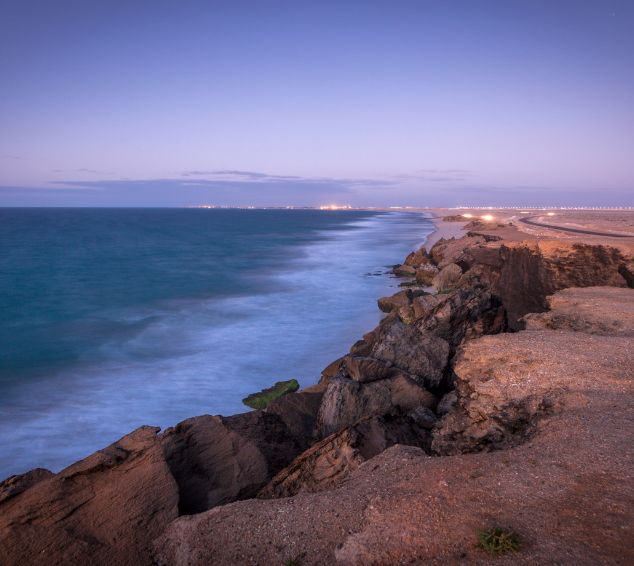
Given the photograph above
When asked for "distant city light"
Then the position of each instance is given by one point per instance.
(335, 207)
(488, 217)
(468, 215)
(550, 214)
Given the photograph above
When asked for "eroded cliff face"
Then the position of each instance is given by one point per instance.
(524, 274)
(440, 373)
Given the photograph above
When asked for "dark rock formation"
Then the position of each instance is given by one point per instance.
(298, 411)
(347, 401)
(215, 460)
(329, 462)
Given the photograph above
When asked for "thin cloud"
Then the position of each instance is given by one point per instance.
(238, 175)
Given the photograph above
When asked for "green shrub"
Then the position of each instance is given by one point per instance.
(498, 541)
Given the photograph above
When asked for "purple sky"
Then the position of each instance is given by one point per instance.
(164, 103)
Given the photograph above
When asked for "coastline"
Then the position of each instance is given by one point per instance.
(451, 452)
(443, 229)
(205, 354)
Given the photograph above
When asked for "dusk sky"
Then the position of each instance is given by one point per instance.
(429, 103)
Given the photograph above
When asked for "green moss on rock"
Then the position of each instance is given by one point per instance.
(263, 398)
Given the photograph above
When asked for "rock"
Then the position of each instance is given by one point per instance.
(215, 460)
(404, 271)
(365, 369)
(327, 463)
(332, 369)
(103, 510)
(454, 218)
(298, 412)
(15, 485)
(596, 310)
(400, 301)
(347, 401)
(423, 417)
(417, 258)
(447, 278)
(322, 466)
(425, 274)
(447, 403)
(393, 302)
(499, 403)
(419, 354)
(453, 250)
(423, 306)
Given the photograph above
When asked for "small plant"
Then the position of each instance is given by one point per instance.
(498, 541)
(291, 562)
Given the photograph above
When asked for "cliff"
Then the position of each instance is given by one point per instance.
(502, 397)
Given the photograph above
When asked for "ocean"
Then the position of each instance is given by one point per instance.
(115, 318)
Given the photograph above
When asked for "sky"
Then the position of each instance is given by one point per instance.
(368, 103)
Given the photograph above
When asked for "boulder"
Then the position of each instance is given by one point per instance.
(103, 510)
(425, 274)
(215, 460)
(365, 369)
(417, 258)
(347, 401)
(453, 250)
(419, 354)
(394, 302)
(447, 278)
(404, 271)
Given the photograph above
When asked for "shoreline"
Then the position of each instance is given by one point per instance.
(322, 340)
(443, 229)
(451, 452)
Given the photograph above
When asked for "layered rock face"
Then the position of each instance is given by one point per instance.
(105, 509)
(524, 274)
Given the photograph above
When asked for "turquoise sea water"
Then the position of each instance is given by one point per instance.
(114, 318)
